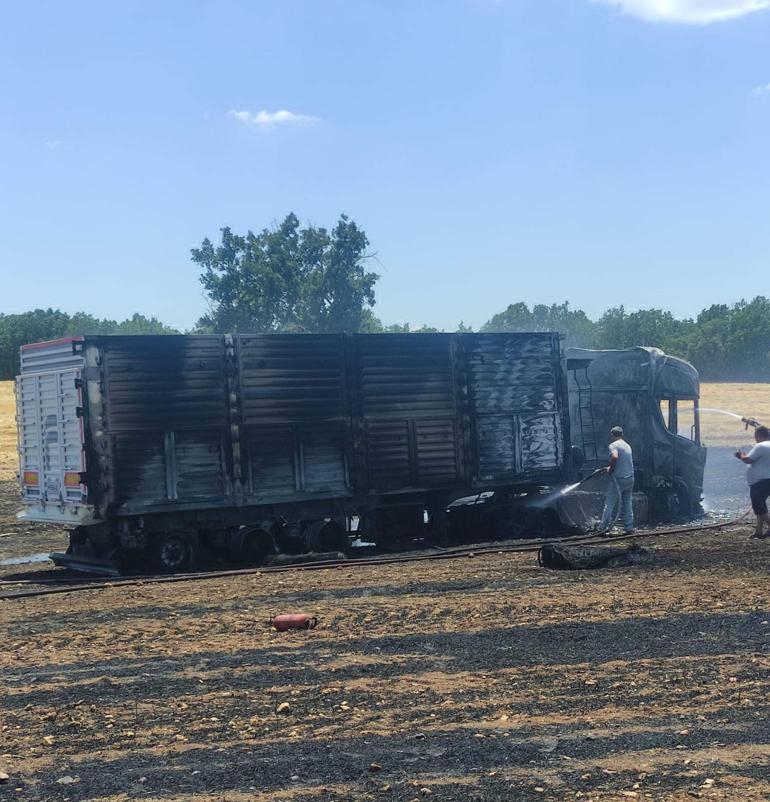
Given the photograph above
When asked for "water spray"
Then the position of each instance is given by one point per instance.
(557, 495)
(548, 499)
(588, 523)
(742, 418)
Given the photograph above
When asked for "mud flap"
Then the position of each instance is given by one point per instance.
(86, 564)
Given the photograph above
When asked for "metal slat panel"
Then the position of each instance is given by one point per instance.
(198, 465)
(387, 447)
(497, 448)
(436, 457)
(540, 442)
(140, 468)
(298, 383)
(271, 461)
(513, 381)
(165, 383)
(512, 373)
(51, 356)
(408, 402)
(323, 463)
(292, 378)
(405, 376)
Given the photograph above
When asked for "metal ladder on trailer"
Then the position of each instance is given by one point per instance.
(588, 439)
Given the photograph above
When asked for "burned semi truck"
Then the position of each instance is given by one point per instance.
(655, 398)
(152, 447)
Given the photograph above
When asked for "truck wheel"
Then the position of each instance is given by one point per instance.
(325, 536)
(253, 545)
(175, 551)
(674, 505)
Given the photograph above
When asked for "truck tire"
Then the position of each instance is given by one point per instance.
(253, 545)
(324, 536)
(176, 551)
(673, 505)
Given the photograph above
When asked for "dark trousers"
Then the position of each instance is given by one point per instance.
(759, 493)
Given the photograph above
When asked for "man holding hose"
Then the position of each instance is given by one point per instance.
(621, 490)
(758, 477)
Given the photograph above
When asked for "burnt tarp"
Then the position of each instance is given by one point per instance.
(626, 388)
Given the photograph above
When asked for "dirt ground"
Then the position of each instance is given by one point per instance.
(484, 678)
(474, 679)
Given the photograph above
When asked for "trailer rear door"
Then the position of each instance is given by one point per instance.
(51, 456)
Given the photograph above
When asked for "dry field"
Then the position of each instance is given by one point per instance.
(751, 400)
(475, 679)
(17, 538)
(8, 461)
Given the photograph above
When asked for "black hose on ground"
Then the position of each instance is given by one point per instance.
(533, 546)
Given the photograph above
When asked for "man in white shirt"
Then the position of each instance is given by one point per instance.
(621, 491)
(758, 477)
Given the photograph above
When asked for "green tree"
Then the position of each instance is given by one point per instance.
(574, 325)
(288, 278)
(732, 342)
(650, 327)
(50, 324)
(139, 324)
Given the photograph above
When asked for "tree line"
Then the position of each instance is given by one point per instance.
(50, 324)
(725, 342)
(289, 278)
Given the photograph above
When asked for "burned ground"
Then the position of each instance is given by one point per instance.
(486, 678)
(475, 679)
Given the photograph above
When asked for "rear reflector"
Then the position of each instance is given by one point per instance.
(71, 479)
(31, 478)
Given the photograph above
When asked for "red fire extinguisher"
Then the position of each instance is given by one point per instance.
(288, 621)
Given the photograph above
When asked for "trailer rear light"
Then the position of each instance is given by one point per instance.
(31, 478)
(72, 479)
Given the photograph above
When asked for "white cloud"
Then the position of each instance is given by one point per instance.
(697, 12)
(267, 120)
(761, 90)
(52, 144)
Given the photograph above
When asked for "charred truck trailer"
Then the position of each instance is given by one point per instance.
(655, 398)
(158, 445)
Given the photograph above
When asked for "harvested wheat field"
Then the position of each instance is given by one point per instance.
(8, 460)
(751, 400)
(484, 678)
(17, 538)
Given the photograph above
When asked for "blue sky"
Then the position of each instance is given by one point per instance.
(596, 151)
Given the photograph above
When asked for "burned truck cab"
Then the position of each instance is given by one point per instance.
(654, 397)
